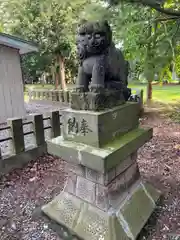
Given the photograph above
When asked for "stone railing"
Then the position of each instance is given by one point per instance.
(50, 95)
(65, 96)
(22, 140)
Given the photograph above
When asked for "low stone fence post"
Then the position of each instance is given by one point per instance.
(55, 124)
(140, 94)
(61, 96)
(66, 96)
(50, 95)
(16, 127)
(53, 96)
(38, 127)
(30, 94)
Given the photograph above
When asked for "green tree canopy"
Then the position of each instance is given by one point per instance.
(50, 24)
(168, 7)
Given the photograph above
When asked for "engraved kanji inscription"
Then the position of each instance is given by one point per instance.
(75, 127)
(84, 128)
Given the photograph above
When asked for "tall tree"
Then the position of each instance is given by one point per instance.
(168, 7)
(146, 37)
(51, 25)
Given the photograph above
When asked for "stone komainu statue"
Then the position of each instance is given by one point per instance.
(101, 64)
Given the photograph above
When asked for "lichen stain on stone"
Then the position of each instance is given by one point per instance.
(114, 115)
(79, 149)
(123, 140)
(101, 152)
(57, 140)
(79, 156)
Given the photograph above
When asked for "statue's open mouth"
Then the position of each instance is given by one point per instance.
(94, 48)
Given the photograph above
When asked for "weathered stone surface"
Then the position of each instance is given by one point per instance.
(101, 65)
(151, 191)
(38, 126)
(110, 175)
(75, 168)
(128, 143)
(95, 176)
(123, 165)
(96, 224)
(101, 190)
(116, 188)
(85, 189)
(70, 185)
(99, 159)
(131, 175)
(136, 210)
(100, 177)
(94, 128)
(17, 134)
(123, 221)
(64, 209)
(134, 156)
(96, 101)
(55, 123)
(61, 96)
(102, 200)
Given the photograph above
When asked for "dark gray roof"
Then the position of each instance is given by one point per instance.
(17, 43)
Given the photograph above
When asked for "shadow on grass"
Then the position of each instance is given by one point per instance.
(168, 110)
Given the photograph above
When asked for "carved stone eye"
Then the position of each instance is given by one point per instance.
(97, 35)
(89, 36)
(83, 33)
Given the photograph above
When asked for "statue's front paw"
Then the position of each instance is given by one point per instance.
(79, 89)
(96, 88)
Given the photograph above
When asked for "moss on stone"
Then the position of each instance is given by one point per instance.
(123, 140)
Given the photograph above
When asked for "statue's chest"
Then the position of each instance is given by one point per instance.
(90, 63)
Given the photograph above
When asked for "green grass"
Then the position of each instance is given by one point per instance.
(165, 94)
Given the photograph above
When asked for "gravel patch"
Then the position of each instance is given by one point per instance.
(159, 164)
(41, 108)
(23, 191)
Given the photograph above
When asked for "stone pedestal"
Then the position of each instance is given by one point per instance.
(96, 101)
(104, 197)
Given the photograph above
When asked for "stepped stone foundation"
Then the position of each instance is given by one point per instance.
(104, 197)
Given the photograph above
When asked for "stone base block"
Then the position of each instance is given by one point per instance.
(99, 159)
(100, 177)
(102, 190)
(122, 221)
(96, 101)
(99, 128)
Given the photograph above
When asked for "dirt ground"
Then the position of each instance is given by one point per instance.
(24, 191)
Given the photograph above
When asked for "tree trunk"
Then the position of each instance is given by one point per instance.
(62, 72)
(56, 80)
(149, 91)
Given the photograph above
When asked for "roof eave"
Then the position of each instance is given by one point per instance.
(13, 42)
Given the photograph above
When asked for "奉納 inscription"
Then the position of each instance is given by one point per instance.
(77, 127)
